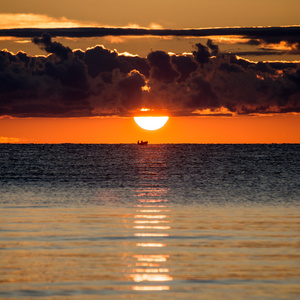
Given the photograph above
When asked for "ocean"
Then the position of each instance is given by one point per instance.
(167, 221)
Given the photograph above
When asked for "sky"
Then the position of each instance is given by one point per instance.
(227, 72)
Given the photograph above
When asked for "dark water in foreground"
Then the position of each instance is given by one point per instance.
(161, 221)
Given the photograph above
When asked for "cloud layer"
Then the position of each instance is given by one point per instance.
(26, 20)
(267, 33)
(268, 40)
(100, 82)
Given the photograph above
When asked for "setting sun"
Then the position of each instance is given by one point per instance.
(151, 123)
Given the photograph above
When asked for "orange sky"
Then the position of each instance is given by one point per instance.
(167, 13)
(243, 129)
(280, 128)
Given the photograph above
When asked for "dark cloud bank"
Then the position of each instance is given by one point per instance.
(261, 37)
(100, 82)
(267, 33)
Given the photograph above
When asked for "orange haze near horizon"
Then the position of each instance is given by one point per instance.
(241, 129)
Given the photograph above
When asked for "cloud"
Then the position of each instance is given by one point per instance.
(10, 140)
(161, 68)
(267, 40)
(45, 43)
(24, 20)
(101, 82)
(269, 34)
(275, 46)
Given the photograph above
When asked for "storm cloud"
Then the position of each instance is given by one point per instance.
(101, 82)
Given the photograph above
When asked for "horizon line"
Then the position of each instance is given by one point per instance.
(134, 143)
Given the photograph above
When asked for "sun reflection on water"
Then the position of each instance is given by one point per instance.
(150, 258)
(151, 234)
(150, 288)
(150, 222)
(138, 205)
(151, 225)
(150, 277)
(150, 267)
(153, 200)
(151, 216)
(150, 245)
(152, 210)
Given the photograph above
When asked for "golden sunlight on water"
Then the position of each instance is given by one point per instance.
(48, 252)
(150, 247)
(204, 253)
(149, 271)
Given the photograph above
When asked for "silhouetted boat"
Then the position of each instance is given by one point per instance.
(142, 143)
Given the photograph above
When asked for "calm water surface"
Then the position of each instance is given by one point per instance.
(162, 221)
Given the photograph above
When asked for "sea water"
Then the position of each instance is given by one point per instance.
(178, 221)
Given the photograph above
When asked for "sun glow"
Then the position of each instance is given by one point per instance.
(151, 123)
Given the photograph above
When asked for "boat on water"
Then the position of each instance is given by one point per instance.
(142, 143)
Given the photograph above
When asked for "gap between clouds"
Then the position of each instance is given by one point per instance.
(100, 82)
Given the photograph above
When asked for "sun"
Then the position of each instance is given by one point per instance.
(151, 123)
